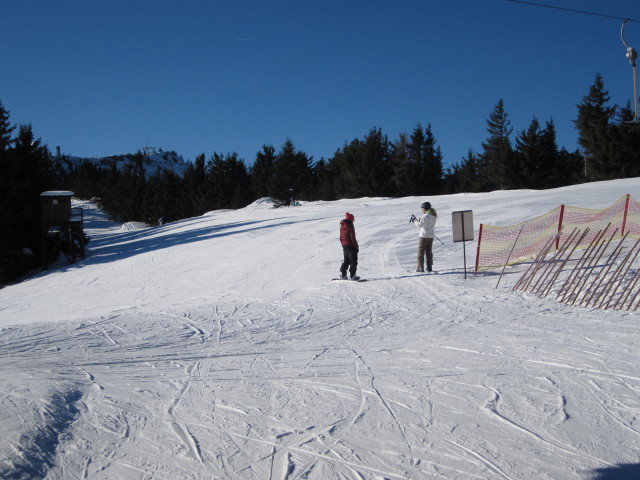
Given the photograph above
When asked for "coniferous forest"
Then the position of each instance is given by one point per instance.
(374, 165)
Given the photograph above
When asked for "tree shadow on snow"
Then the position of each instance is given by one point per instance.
(119, 246)
(626, 471)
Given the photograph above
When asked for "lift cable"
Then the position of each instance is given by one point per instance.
(573, 10)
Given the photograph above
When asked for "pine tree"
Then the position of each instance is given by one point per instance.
(34, 174)
(165, 198)
(570, 167)
(9, 239)
(464, 177)
(344, 164)
(624, 147)
(497, 168)
(8, 169)
(593, 124)
(28, 173)
(425, 159)
(291, 177)
(402, 179)
(84, 179)
(528, 156)
(554, 172)
(261, 171)
(364, 167)
(5, 129)
(131, 190)
(194, 179)
(122, 192)
(108, 200)
(324, 181)
(228, 182)
(374, 164)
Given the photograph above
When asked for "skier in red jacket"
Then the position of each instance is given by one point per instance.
(350, 247)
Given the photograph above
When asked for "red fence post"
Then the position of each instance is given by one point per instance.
(560, 220)
(624, 216)
(478, 249)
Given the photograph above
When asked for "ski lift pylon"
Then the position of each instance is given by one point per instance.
(631, 55)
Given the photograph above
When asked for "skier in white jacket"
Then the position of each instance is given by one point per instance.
(426, 223)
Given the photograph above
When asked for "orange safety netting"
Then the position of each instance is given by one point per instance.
(499, 246)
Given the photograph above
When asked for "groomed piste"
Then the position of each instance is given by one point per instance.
(219, 347)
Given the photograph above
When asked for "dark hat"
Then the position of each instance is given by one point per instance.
(426, 206)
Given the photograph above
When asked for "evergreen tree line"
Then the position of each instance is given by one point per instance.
(374, 165)
(369, 167)
(26, 171)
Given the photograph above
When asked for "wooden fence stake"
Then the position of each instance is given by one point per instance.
(509, 257)
(538, 261)
(557, 274)
(565, 289)
(557, 257)
(584, 279)
(619, 275)
(631, 285)
(604, 271)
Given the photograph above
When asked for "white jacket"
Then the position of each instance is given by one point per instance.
(426, 223)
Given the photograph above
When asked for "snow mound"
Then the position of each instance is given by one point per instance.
(131, 226)
(263, 203)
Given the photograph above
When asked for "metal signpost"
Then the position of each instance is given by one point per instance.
(462, 223)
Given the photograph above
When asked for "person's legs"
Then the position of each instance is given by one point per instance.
(421, 252)
(353, 261)
(428, 244)
(350, 260)
(345, 261)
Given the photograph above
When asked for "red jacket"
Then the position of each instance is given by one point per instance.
(348, 233)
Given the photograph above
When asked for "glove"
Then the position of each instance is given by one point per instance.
(413, 218)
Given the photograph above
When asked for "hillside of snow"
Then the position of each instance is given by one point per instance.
(218, 347)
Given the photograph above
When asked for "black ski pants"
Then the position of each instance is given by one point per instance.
(350, 260)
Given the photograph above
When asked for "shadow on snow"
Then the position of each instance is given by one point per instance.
(119, 246)
(36, 450)
(628, 471)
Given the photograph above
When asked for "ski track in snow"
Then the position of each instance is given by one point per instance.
(226, 352)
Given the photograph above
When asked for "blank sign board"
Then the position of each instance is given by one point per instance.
(462, 223)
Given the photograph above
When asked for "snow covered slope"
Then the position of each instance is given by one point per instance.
(218, 347)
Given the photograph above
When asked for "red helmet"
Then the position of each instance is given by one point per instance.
(349, 216)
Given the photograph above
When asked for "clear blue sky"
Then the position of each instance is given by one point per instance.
(204, 76)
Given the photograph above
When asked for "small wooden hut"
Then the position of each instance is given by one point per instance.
(62, 227)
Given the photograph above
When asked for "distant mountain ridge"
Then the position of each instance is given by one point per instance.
(152, 163)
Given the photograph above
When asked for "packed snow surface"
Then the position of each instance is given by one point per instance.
(218, 347)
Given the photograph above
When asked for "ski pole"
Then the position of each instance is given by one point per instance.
(413, 217)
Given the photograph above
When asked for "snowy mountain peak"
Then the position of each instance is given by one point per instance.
(151, 163)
